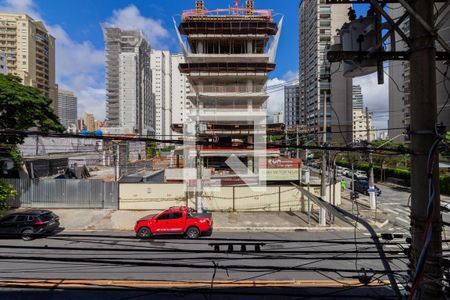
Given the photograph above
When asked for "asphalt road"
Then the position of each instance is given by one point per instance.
(287, 260)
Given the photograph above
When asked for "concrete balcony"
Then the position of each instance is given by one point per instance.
(229, 58)
(208, 97)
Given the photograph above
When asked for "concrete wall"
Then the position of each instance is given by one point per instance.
(162, 196)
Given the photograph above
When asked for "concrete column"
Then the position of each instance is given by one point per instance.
(250, 46)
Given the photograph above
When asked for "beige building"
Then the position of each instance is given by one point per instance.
(30, 52)
(360, 126)
(3, 66)
(89, 121)
(98, 124)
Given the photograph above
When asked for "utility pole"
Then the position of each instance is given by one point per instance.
(372, 195)
(423, 135)
(323, 189)
(298, 142)
(198, 160)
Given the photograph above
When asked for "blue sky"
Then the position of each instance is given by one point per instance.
(80, 46)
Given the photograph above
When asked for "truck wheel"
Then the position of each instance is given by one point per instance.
(193, 233)
(27, 235)
(144, 233)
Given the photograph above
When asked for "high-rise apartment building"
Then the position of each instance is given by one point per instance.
(319, 23)
(161, 66)
(358, 102)
(399, 83)
(231, 55)
(89, 121)
(130, 107)
(359, 118)
(3, 65)
(30, 52)
(170, 87)
(67, 108)
(360, 126)
(180, 89)
(293, 108)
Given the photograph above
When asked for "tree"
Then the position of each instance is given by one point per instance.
(6, 192)
(21, 108)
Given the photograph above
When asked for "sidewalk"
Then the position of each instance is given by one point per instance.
(101, 219)
(377, 218)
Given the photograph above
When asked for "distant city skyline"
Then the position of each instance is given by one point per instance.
(80, 56)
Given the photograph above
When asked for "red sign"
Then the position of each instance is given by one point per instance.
(281, 163)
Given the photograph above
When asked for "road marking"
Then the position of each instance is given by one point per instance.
(390, 203)
(180, 284)
(402, 220)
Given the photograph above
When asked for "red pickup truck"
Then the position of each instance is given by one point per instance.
(175, 220)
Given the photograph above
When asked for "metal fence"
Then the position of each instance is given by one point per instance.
(64, 193)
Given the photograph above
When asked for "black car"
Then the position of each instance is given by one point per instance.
(29, 224)
(362, 186)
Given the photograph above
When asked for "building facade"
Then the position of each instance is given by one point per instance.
(231, 55)
(293, 108)
(399, 83)
(67, 108)
(30, 53)
(89, 121)
(130, 107)
(360, 118)
(170, 88)
(360, 126)
(319, 81)
(3, 65)
(160, 62)
(358, 102)
(180, 104)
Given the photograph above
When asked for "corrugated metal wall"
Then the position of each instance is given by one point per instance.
(62, 193)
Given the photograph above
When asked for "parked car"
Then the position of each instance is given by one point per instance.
(362, 186)
(175, 220)
(29, 224)
(361, 175)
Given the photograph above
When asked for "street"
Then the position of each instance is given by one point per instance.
(297, 259)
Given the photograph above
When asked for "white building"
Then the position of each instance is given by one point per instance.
(180, 90)
(161, 80)
(170, 88)
(360, 126)
(318, 25)
(130, 107)
(3, 65)
(67, 108)
(399, 84)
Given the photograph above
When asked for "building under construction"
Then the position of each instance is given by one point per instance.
(229, 54)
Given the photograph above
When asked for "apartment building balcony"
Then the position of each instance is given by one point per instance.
(224, 67)
(260, 97)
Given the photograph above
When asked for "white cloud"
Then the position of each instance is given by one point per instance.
(131, 18)
(26, 6)
(79, 65)
(376, 98)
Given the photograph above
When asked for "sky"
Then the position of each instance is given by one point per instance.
(80, 67)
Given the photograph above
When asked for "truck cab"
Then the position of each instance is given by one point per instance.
(177, 221)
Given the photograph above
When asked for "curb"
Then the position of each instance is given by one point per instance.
(239, 229)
